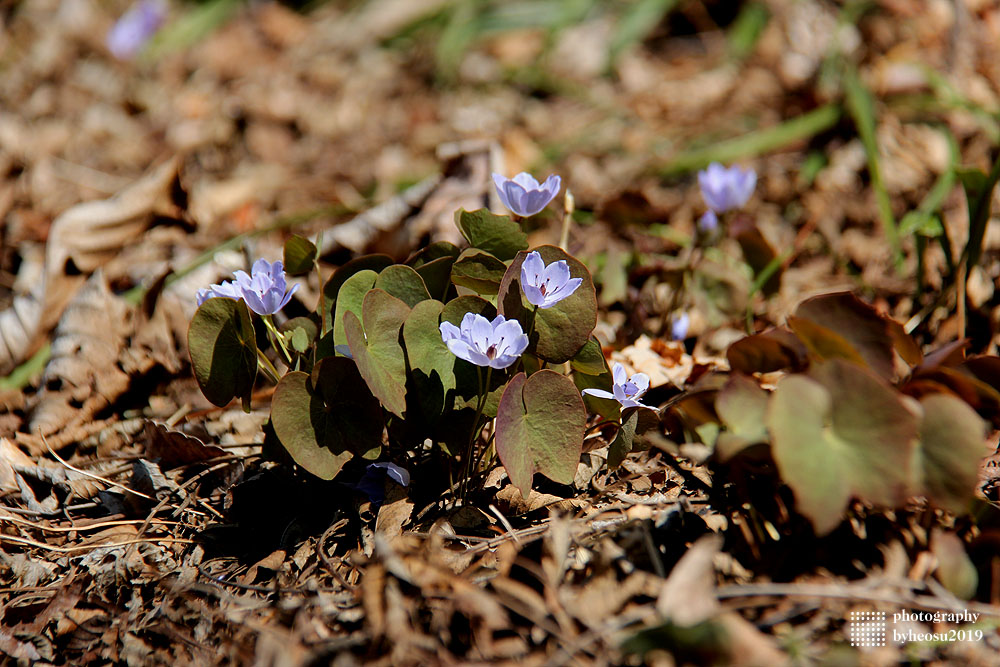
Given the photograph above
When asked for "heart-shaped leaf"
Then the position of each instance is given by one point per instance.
(742, 406)
(539, 428)
(841, 433)
(426, 352)
(478, 271)
(824, 343)
(767, 352)
(376, 349)
(496, 234)
(223, 350)
(559, 331)
(331, 289)
(350, 299)
(300, 255)
(437, 276)
(404, 283)
(855, 321)
(324, 419)
(455, 310)
(590, 359)
(952, 446)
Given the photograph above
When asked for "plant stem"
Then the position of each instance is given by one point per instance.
(265, 365)
(569, 204)
(476, 428)
(277, 339)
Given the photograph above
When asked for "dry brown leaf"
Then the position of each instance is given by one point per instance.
(688, 595)
(11, 455)
(174, 447)
(80, 241)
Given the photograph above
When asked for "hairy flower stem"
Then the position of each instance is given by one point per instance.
(276, 339)
(476, 428)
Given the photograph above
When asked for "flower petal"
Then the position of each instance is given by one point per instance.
(619, 374)
(526, 181)
(599, 393)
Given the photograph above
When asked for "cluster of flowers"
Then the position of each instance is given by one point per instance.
(501, 342)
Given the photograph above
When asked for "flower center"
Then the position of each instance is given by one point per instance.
(542, 288)
(491, 352)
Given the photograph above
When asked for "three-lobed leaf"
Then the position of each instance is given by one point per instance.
(496, 234)
(299, 255)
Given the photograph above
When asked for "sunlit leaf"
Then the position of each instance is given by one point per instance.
(404, 283)
(559, 331)
(539, 428)
(478, 271)
(299, 255)
(350, 299)
(496, 234)
(374, 344)
(841, 433)
(952, 445)
(223, 350)
(855, 321)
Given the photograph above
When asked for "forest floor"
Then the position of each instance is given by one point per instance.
(140, 524)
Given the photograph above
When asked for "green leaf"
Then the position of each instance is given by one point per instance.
(562, 330)
(324, 419)
(742, 406)
(300, 255)
(437, 276)
(332, 286)
(404, 283)
(952, 445)
(635, 421)
(496, 234)
(455, 310)
(867, 332)
(590, 359)
(955, 570)
(425, 349)
(432, 253)
(303, 332)
(478, 271)
(838, 434)
(349, 299)
(223, 348)
(376, 349)
(539, 428)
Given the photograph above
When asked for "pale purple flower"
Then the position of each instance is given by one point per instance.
(496, 344)
(545, 286)
(679, 326)
(227, 289)
(373, 481)
(627, 390)
(265, 290)
(523, 195)
(708, 222)
(135, 27)
(726, 189)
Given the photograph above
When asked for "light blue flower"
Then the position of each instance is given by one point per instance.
(496, 344)
(523, 195)
(627, 390)
(265, 290)
(679, 326)
(545, 286)
(227, 289)
(135, 27)
(726, 189)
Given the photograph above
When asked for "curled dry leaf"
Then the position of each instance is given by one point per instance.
(82, 240)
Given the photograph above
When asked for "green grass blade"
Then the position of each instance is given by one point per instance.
(636, 24)
(862, 109)
(757, 142)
